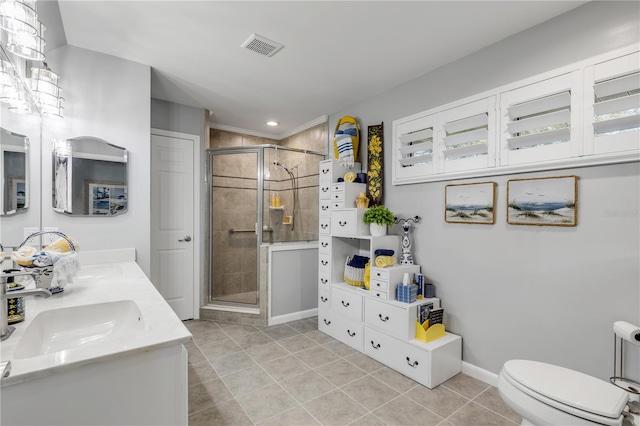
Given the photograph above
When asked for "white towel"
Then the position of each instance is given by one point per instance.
(345, 150)
(65, 269)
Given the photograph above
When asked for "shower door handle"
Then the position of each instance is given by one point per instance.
(187, 239)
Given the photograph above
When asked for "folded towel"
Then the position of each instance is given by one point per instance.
(384, 252)
(358, 261)
(384, 261)
(345, 150)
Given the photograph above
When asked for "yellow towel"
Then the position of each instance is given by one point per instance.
(61, 245)
(384, 261)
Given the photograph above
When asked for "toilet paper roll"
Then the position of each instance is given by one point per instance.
(627, 331)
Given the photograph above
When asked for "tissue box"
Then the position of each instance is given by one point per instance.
(407, 293)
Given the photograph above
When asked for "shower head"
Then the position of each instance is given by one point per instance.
(278, 164)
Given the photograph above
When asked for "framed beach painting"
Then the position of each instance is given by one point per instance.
(549, 201)
(470, 203)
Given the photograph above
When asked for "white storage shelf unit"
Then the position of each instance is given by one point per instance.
(372, 322)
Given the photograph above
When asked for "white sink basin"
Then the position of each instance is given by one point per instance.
(111, 323)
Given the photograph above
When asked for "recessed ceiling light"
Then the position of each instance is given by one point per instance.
(272, 123)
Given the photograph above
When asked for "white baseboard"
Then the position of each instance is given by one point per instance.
(281, 319)
(480, 373)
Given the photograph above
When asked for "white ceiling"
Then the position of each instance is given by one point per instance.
(335, 54)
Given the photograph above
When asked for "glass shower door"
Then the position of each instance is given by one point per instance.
(234, 214)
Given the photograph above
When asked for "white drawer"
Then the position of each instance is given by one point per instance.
(323, 299)
(403, 357)
(325, 190)
(330, 170)
(346, 193)
(325, 171)
(392, 276)
(348, 222)
(390, 319)
(324, 278)
(427, 363)
(325, 262)
(346, 303)
(337, 204)
(382, 295)
(325, 224)
(324, 244)
(348, 332)
(325, 321)
(325, 207)
(378, 285)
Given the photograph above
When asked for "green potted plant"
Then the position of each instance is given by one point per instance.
(378, 218)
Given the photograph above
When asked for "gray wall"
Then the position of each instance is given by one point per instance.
(543, 293)
(107, 98)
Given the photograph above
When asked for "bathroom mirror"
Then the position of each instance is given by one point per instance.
(20, 153)
(14, 171)
(89, 177)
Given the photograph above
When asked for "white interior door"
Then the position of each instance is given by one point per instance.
(173, 212)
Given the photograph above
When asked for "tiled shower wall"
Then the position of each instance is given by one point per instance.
(234, 204)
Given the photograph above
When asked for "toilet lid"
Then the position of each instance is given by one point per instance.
(568, 387)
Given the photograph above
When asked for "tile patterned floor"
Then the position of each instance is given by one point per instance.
(293, 374)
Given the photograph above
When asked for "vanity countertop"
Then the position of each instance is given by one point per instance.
(104, 277)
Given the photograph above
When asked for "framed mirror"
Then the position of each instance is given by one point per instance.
(89, 177)
(14, 172)
(20, 153)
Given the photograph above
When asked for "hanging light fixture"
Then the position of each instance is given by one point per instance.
(28, 46)
(46, 91)
(11, 92)
(19, 16)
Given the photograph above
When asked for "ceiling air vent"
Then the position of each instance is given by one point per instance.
(262, 45)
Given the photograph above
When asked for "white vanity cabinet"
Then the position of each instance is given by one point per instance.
(373, 321)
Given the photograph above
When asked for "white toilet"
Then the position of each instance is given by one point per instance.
(545, 394)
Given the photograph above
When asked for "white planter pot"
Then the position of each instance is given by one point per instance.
(377, 230)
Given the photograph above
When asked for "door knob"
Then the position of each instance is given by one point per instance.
(187, 239)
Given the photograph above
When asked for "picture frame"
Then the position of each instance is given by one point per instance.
(106, 199)
(546, 201)
(470, 203)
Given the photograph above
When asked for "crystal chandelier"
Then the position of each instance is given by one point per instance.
(46, 91)
(28, 46)
(25, 38)
(19, 16)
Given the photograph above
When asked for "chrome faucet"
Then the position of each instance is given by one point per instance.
(5, 329)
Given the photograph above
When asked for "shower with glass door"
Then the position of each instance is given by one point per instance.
(258, 195)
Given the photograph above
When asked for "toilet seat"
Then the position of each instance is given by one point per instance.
(566, 390)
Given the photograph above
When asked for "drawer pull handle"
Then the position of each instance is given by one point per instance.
(341, 223)
(324, 208)
(336, 197)
(329, 322)
(375, 345)
(378, 274)
(326, 245)
(324, 262)
(324, 299)
(413, 364)
(378, 284)
(385, 319)
(325, 189)
(346, 305)
(323, 280)
(324, 226)
(351, 333)
(325, 171)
